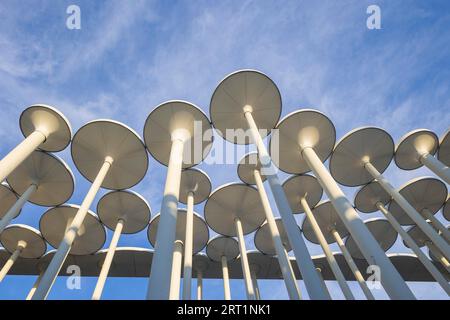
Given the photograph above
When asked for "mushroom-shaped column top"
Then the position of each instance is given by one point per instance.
(446, 209)
(383, 233)
(443, 153)
(49, 121)
(201, 232)
(302, 186)
(99, 139)
(422, 193)
(221, 246)
(234, 201)
(127, 205)
(7, 198)
(52, 176)
(264, 240)
(16, 234)
(412, 146)
(298, 130)
(418, 236)
(197, 182)
(328, 220)
(183, 120)
(245, 90)
(368, 196)
(366, 144)
(246, 167)
(54, 223)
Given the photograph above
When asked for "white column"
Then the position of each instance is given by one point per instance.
(12, 160)
(437, 224)
(283, 259)
(17, 206)
(199, 285)
(12, 259)
(307, 269)
(244, 261)
(352, 265)
(108, 261)
(409, 210)
(36, 283)
(159, 280)
(440, 169)
(443, 260)
(255, 285)
(393, 283)
(328, 254)
(175, 280)
(188, 245)
(58, 259)
(226, 278)
(415, 248)
(322, 282)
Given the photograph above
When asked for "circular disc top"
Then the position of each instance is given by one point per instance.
(232, 201)
(127, 205)
(107, 138)
(446, 210)
(444, 149)
(7, 199)
(246, 167)
(222, 246)
(13, 234)
(412, 145)
(47, 120)
(328, 219)
(418, 236)
(297, 187)
(368, 196)
(303, 128)
(56, 221)
(383, 233)
(368, 143)
(422, 193)
(52, 176)
(173, 115)
(201, 232)
(196, 181)
(264, 240)
(245, 88)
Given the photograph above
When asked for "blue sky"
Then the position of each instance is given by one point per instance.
(128, 58)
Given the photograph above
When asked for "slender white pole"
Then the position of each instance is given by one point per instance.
(283, 259)
(322, 282)
(14, 210)
(392, 281)
(60, 256)
(352, 265)
(326, 249)
(159, 280)
(12, 259)
(437, 224)
(409, 210)
(36, 283)
(199, 285)
(440, 169)
(108, 261)
(12, 160)
(415, 248)
(307, 269)
(255, 285)
(175, 280)
(188, 245)
(226, 278)
(244, 261)
(435, 250)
